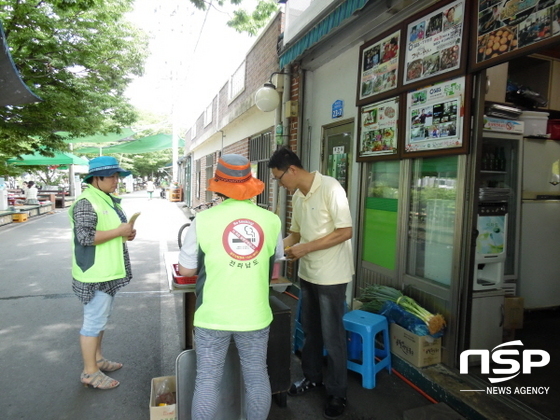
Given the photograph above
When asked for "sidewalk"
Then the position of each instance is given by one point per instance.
(40, 318)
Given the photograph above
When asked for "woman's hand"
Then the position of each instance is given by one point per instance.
(132, 235)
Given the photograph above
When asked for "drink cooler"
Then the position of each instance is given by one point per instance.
(232, 401)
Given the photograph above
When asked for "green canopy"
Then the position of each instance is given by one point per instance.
(98, 138)
(59, 158)
(137, 147)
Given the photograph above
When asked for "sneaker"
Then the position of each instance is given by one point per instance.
(335, 407)
(301, 387)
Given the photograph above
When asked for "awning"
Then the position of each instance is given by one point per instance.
(143, 145)
(97, 138)
(319, 31)
(12, 89)
(60, 158)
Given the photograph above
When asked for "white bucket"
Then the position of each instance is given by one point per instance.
(535, 123)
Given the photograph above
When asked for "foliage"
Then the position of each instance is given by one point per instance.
(251, 23)
(78, 56)
(149, 164)
(243, 21)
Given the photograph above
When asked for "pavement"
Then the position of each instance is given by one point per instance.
(40, 320)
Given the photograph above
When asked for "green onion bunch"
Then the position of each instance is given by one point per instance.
(374, 297)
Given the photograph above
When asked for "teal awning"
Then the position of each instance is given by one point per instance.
(137, 147)
(59, 158)
(323, 28)
(97, 138)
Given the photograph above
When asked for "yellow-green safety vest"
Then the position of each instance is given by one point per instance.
(103, 262)
(237, 242)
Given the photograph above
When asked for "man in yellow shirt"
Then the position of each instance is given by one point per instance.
(320, 238)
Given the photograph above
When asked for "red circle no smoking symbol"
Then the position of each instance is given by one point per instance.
(243, 239)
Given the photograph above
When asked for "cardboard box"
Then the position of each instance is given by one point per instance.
(513, 313)
(418, 350)
(166, 412)
(504, 126)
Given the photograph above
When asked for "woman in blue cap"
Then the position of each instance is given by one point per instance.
(100, 262)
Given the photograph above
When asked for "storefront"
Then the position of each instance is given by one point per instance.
(394, 106)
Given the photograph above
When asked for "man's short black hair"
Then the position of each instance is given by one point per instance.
(283, 158)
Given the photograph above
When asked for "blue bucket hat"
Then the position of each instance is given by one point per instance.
(105, 166)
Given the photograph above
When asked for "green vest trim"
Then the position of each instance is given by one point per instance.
(237, 243)
(104, 262)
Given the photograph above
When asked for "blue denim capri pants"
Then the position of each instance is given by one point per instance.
(96, 314)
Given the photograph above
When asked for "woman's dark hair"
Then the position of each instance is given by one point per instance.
(90, 179)
(30, 184)
(283, 158)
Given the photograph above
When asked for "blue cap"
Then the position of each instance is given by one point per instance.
(105, 166)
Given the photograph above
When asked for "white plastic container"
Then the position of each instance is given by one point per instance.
(535, 123)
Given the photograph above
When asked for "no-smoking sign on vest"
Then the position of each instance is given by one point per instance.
(243, 239)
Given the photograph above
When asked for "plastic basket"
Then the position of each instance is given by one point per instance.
(179, 279)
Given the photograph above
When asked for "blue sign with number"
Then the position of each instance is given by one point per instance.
(337, 108)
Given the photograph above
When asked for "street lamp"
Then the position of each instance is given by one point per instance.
(267, 97)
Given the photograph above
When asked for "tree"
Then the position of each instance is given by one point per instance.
(243, 21)
(78, 56)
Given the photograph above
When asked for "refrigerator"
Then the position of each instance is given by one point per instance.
(487, 321)
(497, 226)
(539, 271)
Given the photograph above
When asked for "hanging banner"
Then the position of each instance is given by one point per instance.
(378, 129)
(504, 26)
(379, 66)
(434, 43)
(435, 117)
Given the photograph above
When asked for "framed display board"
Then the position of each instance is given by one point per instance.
(504, 27)
(379, 66)
(435, 118)
(435, 43)
(378, 130)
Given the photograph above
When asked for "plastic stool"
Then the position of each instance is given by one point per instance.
(367, 325)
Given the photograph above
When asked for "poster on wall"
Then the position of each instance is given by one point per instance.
(434, 43)
(435, 117)
(504, 26)
(379, 66)
(378, 129)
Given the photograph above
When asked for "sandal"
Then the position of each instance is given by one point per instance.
(108, 366)
(98, 380)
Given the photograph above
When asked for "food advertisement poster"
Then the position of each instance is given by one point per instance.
(434, 43)
(435, 117)
(378, 129)
(379, 66)
(506, 25)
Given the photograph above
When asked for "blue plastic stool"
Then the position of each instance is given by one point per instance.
(366, 325)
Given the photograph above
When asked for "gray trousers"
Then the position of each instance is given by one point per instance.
(322, 309)
(211, 350)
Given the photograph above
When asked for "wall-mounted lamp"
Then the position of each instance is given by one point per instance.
(267, 97)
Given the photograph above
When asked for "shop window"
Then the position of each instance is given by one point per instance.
(208, 115)
(380, 214)
(198, 181)
(237, 82)
(433, 201)
(209, 172)
(260, 150)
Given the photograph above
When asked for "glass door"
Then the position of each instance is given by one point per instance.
(337, 151)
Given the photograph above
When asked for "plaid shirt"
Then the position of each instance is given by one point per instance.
(85, 222)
